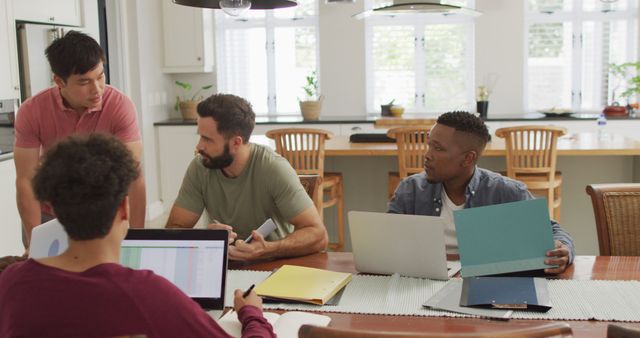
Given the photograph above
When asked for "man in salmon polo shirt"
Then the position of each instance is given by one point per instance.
(79, 103)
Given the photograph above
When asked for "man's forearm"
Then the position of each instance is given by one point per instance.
(303, 241)
(137, 203)
(28, 207)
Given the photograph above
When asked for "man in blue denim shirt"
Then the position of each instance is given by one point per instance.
(452, 181)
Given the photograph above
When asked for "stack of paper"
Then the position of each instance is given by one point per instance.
(298, 283)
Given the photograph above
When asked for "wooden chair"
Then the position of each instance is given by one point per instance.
(531, 159)
(539, 331)
(617, 211)
(412, 147)
(618, 331)
(304, 149)
(312, 185)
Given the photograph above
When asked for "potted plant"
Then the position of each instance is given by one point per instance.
(188, 103)
(620, 74)
(311, 107)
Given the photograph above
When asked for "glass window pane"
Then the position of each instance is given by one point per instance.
(604, 43)
(549, 5)
(549, 66)
(599, 5)
(445, 74)
(303, 9)
(245, 69)
(295, 56)
(393, 65)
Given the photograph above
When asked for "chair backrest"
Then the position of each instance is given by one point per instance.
(313, 186)
(302, 147)
(531, 149)
(617, 211)
(539, 331)
(412, 147)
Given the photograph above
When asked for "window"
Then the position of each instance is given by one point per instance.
(266, 55)
(570, 45)
(423, 62)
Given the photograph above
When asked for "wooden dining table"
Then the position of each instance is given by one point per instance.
(583, 268)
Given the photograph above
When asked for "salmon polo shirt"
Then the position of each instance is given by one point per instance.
(43, 119)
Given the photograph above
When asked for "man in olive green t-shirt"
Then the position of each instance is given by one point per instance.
(241, 185)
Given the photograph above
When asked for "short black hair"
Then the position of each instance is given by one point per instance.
(233, 114)
(85, 178)
(74, 53)
(467, 123)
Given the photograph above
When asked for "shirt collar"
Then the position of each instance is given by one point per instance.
(57, 96)
(472, 187)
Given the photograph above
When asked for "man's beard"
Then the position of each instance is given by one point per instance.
(218, 162)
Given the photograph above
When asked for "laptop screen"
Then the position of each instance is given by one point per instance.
(193, 260)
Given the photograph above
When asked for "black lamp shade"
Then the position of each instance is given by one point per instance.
(255, 4)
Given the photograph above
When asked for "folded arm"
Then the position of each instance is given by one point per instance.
(309, 236)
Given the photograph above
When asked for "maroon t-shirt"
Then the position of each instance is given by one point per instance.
(107, 300)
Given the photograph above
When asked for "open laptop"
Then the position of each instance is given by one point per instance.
(195, 260)
(409, 245)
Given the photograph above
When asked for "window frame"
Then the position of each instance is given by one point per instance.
(270, 23)
(419, 25)
(577, 16)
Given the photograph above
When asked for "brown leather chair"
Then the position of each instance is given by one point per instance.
(304, 149)
(412, 147)
(531, 159)
(619, 331)
(539, 331)
(617, 211)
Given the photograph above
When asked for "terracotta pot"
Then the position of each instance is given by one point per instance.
(615, 111)
(189, 110)
(310, 110)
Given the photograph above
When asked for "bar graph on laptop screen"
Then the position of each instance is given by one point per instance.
(195, 267)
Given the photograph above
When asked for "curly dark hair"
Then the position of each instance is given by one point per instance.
(85, 178)
(233, 114)
(74, 53)
(469, 124)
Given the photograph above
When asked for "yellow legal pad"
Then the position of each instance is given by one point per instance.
(299, 283)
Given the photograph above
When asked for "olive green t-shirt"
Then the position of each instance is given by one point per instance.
(267, 188)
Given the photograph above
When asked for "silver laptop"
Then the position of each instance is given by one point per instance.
(409, 245)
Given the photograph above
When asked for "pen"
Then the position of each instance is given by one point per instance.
(246, 293)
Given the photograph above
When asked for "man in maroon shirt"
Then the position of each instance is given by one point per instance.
(85, 292)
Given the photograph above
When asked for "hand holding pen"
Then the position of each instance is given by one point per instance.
(248, 297)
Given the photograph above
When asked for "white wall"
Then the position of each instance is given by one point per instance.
(142, 78)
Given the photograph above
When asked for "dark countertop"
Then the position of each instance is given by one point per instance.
(297, 119)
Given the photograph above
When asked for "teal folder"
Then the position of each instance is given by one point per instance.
(503, 238)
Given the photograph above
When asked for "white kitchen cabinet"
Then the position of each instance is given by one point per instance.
(176, 145)
(10, 231)
(9, 83)
(61, 12)
(188, 38)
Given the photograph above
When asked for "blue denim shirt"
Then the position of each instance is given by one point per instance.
(416, 196)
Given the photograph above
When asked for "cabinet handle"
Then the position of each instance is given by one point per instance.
(52, 18)
(199, 58)
(356, 128)
(16, 88)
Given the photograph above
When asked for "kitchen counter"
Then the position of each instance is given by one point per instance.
(6, 156)
(297, 119)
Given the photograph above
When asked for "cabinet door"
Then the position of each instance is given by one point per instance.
(8, 86)
(10, 233)
(188, 38)
(63, 12)
(176, 145)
